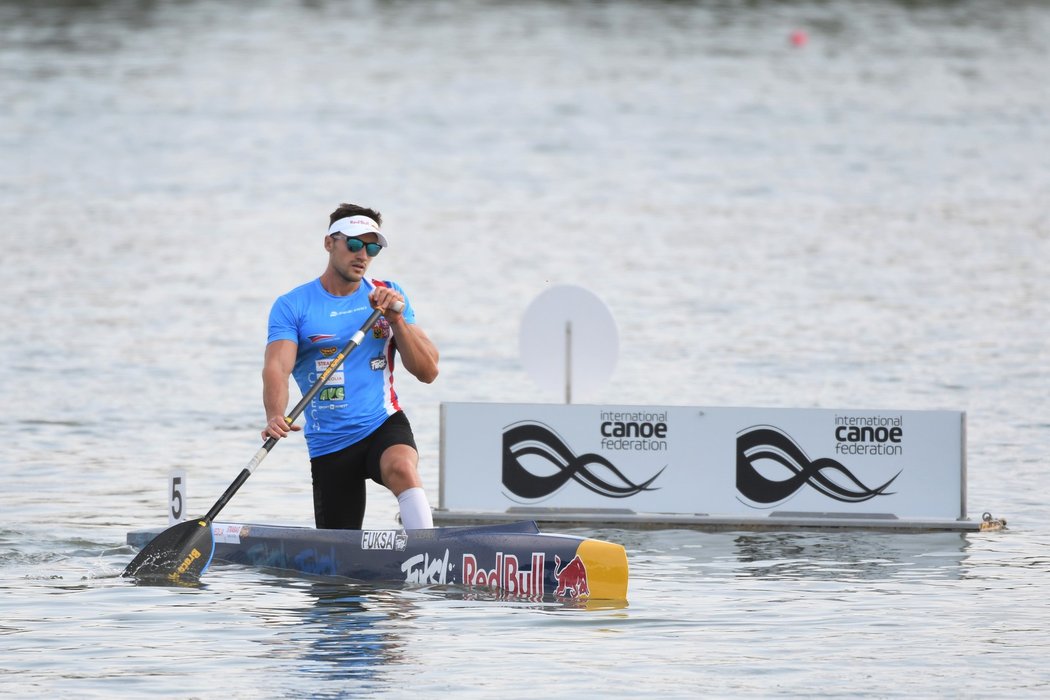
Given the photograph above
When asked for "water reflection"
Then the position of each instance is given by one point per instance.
(548, 603)
(341, 630)
(795, 555)
(851, 556)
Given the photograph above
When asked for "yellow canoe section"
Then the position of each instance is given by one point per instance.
(607, 572)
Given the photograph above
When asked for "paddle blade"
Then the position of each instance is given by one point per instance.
(178, 555)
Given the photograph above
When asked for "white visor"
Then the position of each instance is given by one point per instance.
(357, 225)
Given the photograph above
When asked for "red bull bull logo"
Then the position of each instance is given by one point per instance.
(572, 578)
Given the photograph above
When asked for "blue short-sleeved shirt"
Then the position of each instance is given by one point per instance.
(360, 395)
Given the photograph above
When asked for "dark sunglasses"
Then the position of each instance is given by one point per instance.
(356, 244)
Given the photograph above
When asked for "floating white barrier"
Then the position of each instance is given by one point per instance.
(702, 467)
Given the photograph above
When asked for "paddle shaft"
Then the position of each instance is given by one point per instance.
(259, 456)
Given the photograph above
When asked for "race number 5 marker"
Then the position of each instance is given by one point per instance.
(176, 496)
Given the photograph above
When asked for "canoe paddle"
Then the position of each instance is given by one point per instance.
(182, 553)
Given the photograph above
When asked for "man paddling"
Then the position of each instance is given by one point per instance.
(355, 428)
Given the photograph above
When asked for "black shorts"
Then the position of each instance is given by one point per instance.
(339, 477)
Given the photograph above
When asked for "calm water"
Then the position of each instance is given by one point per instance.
(857, 222)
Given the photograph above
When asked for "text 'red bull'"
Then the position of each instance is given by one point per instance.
(507, 575)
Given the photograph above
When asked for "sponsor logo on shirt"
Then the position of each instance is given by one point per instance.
(347, 311)
(381, 329)
(331, 393)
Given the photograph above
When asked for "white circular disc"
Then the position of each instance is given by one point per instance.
(569, 341)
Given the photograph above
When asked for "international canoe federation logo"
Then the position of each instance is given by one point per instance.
(766, 444)
(527, 440)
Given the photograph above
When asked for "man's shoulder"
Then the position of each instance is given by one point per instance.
(304, 289)
(294, 303)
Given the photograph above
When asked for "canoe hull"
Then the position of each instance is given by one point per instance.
(515, 559)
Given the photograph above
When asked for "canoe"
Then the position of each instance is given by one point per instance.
(513, 559)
